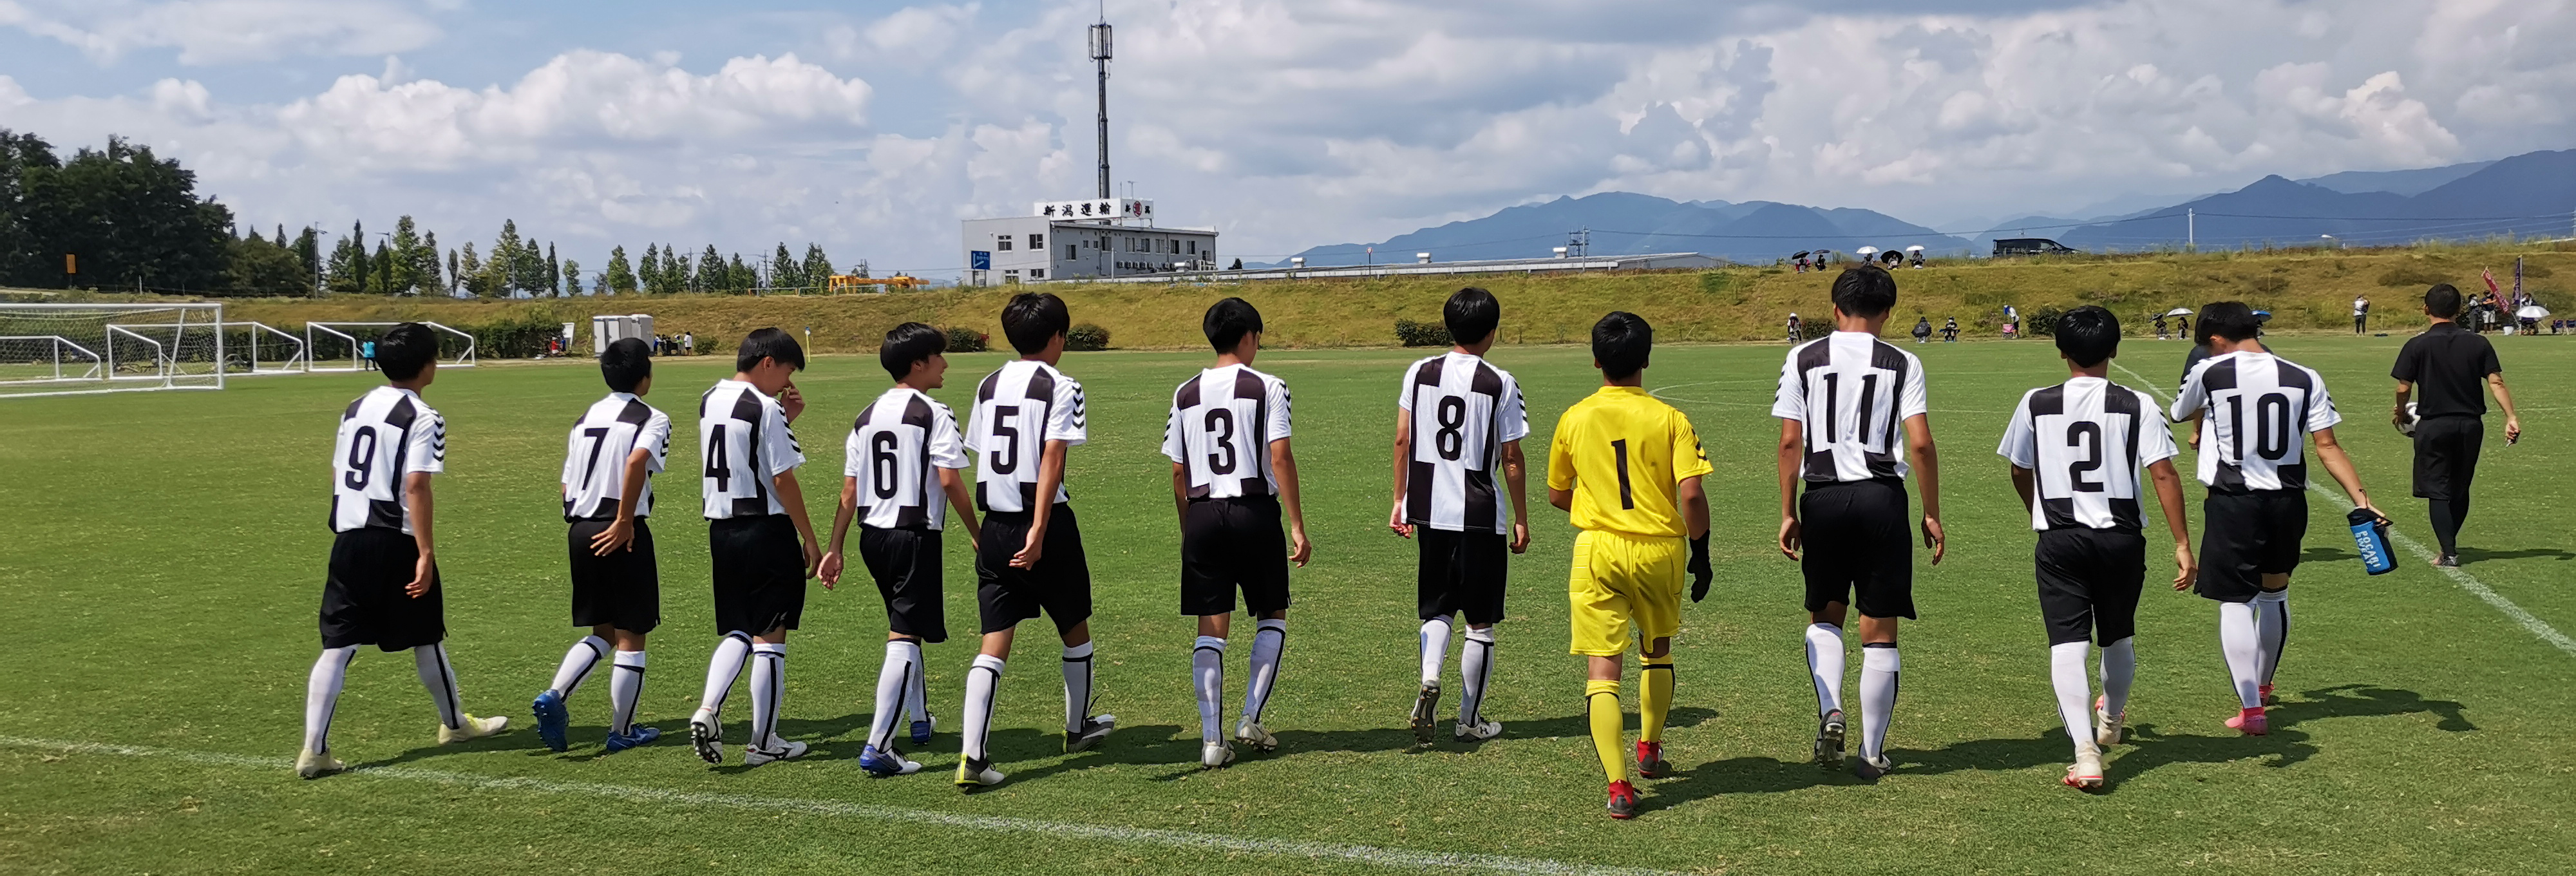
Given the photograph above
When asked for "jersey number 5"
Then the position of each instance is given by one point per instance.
(1007, 459)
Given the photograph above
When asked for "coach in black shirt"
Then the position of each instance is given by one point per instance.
(2446, 363)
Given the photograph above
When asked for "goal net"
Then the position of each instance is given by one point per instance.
(344, 346)
(62, 349)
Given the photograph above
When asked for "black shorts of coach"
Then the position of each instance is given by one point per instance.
(905, 564)
(2089, 581)
(1228, 544)
(622, 589)
(1060, 586)
(1461, 572)
(2446, 455)
(759, 573)
(363, 602)
(2246, 536)
(1859, 548)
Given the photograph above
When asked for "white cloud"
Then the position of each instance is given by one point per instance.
(223, 31)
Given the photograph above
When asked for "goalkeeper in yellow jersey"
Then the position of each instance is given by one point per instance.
(1626, 467)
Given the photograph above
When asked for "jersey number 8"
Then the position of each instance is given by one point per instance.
(1453, 417)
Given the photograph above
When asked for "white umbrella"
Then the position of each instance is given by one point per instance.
(2532, 311)
(1915, 248)
(2179, 311)
(1866, 250)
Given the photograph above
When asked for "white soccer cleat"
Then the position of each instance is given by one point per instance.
(2086, 774)
(779, 749)
(475, 728)
(1214, 755)
(1870, 768)
(1479, 731)
(1250, 732)
(314, 765)
(2107, 726)
(706, 735)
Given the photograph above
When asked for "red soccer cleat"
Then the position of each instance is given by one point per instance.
(1623, 800)
(1650, 760)
(2251, 721)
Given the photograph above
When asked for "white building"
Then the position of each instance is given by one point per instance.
(1083, 239)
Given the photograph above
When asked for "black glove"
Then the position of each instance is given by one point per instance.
(1699, 570)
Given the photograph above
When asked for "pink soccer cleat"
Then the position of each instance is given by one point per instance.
(2251, 721)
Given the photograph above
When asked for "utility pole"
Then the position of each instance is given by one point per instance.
(1100, 57)
(2191, 230)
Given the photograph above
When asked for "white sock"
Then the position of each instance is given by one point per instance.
(768, 684)
(916, 696)
(1435, 648)
(1207, 673)
(894, 683)
(1878, 670)
(322, 696)
(625, 689)
(1262, 671)
(1476, 668)
(2119, 669)
(2243, 647)
(2074, 692)
(440, 678)
(1825, 666)
(2272, 627)
(722, 668)
(577, 664)
(1077, 687)
(983, 677)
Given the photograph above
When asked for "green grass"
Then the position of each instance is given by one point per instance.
(164, 551)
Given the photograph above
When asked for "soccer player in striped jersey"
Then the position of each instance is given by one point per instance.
(759, 540)
(900, 462)
(1029, 559)
(1473, 420)
(2076, 449)
(609, 461)
(1626, 468)
(382, 588)
(1843, 402)
(2255, 406)
(1232, 474)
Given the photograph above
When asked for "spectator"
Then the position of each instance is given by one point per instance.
(2012, 322)
(1797, 330)
(367, 356)
(1922, 329)
(1950, 330)
(2161, 332)
(2360, 314)
(689, 342)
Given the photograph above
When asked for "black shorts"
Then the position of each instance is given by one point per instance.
(623, 589)
(1857, 543)
(905, 564)
(1461, 573)
(1060, 586)
(759, 573)
(2245, 536)
(1231, 543)
(2089, 581)
(363, 602)
(2446, 455)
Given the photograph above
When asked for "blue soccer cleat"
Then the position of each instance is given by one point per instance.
(633, 736)
(922, 729)
(887, 762)
(551, 720)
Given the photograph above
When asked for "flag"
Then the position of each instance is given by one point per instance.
(2489, 274)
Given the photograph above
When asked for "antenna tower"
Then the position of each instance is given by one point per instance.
(1100, 57)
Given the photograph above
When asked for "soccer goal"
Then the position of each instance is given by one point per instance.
(250, 347)
(66, 349)
(343, 346)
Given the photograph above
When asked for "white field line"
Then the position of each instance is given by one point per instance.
(1370, 855)
(2465, 581)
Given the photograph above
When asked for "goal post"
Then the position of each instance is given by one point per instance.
(67, 349)
(342, 346)
(250, 347)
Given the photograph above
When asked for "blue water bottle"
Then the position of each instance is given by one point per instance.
(2371, 536)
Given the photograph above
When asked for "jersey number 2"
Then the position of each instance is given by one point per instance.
(2085, 435)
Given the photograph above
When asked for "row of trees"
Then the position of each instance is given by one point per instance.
(128, 218)
(409, 262)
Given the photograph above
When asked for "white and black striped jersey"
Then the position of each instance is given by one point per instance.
(1851, 391)
(1017, 410)
(594, 471)
(1220, 428)
(2084, 441)
(384, 435)
(2259, 409)
(743, 442)
(1463, 410)
(890, 455)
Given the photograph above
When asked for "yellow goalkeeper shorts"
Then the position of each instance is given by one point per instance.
(1621, 579)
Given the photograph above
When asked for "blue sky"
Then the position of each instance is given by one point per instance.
(873, 127)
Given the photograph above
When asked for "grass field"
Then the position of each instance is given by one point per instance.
(163, 554)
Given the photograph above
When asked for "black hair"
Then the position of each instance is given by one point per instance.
(1865, 291)
(2443, 300)
(2229, 319)
(1620, 343)
(2088, 335)
(1034, 318)
(909, 344)
(1471, 315)
(769, 343)
(404, 350)
(1228, 321)
(626, 362)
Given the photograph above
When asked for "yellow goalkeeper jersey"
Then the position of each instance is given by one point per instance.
(1624, 452)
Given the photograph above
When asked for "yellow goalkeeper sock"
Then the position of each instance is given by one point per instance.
(1601, 703)
(1654, 700)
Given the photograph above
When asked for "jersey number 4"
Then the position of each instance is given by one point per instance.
(719, 461)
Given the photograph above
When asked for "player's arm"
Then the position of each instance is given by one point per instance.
(1050, 478)
(2339, 465)
(1516, 476)
(416, 502)
(1560, 466)
(1404, 472)
(2397, 411)
(2504, 399)
(792, 497)
(2025, 482)
(1283, 462)
(1793, 441)
(1927, 468)
(1181, 493)
(2169, 494)
(620, 534)
(833, 560)
(953, 482)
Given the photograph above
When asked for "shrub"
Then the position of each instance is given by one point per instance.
(1421, 334)
(1086, 337)
(2043, 320)
(965, 340)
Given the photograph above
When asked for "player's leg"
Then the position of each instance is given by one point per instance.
(1207, 594)
(1065, 591)
(2231, 543)
(2287, 514)
(636, 612)
(1479, 590)
(905, 566)
(768, 687)
(1600, 619)
(1263, 575)
(1207, 679)
(1435, 574)
(2062, 562)
(1656, 597)
(625, 690)
(344, 625)
(723, 667)
(2122, 578)
(585, 656)
(420, 624)
(1002, 601)
(1827, 570)
(321, 701)
(1883, 594)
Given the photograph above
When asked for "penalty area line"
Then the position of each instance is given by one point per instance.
(1378, 856)
(2464, 580)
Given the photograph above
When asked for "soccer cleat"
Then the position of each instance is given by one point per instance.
(1870, 768)
(2264, 695)
(706, 735)
(2447, 561)
(475, 728)
(2252, 722)
(780, 749)
(1424, 707)
(1650, 760)
(2107, 727)
(314, 765)
(922, 729)
(633, 736)
(973, 774)
(1214, 755)
(1829, 740)
(2086, 774)
(1481, 730)
(1623, 800)
(1250, 732)
(887, 762)
(551, 720)
(1094, 729)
